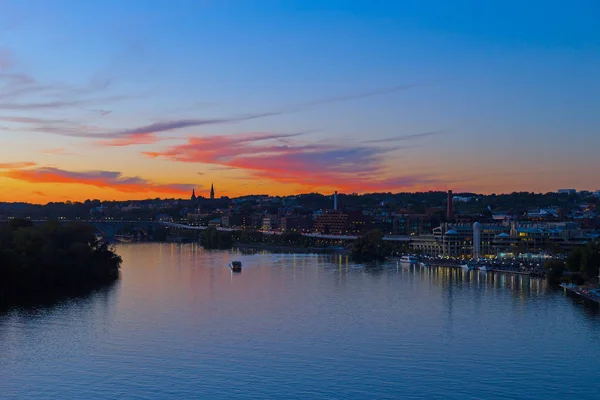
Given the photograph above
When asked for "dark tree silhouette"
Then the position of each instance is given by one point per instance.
(52, 260)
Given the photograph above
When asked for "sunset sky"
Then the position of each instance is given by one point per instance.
(143, 99)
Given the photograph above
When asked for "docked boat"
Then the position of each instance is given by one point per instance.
(424, 265)
(468, 266)
(485, 268)
(408, 260)
(236, 266)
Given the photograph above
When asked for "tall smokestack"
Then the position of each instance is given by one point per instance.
(335, 205)
(449, 212)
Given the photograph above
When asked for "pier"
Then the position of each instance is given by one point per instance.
(577, 291)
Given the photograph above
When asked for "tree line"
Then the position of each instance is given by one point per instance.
(49, 260)
(581, 265)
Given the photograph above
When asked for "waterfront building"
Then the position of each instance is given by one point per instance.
(226, 221)
(296, 224)
(414, 224)
(270, 223)
(491, 240)
(216, 222)
(164, 218)
(342, 223)
(456, 240)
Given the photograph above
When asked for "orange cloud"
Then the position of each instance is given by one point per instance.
(100, 179)
(17, 165)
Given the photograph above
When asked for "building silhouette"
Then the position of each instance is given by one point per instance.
(193, 195)
(212, 191)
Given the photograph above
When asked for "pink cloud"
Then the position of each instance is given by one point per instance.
(346, 167)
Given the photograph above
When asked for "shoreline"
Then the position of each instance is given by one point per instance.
(578, 293)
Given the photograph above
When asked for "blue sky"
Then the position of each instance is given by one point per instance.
(511, 88)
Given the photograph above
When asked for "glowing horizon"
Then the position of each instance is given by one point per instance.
(129, 101)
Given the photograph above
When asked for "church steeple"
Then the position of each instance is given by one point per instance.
(212, 191)
(193, 194)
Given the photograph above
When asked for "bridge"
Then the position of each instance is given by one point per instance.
(110, 228)
(393, 238)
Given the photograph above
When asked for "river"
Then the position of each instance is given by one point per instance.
(180, 325)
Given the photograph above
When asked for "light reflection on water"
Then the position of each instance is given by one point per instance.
(180, 325)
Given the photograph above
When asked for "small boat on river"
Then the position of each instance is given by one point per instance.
(408, 260)
(468, 266)
(485, 267)
(235, 266)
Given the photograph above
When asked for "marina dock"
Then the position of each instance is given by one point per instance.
(576, 291)
(533, 274)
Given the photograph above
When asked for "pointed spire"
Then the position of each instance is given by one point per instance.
(212, 191)
(193, 194)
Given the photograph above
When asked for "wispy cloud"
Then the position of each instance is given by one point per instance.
(102, 112)
(142, 138)
(38, 106)
(29, 120)
(102, 179)
(187, 123)
(58, 104)
(17, 165)
(404, 137)
(5, 59)
(141, 135)
(22, 92)
(57, 151)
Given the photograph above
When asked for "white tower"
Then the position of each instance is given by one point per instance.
(476, 240)
(335, 205)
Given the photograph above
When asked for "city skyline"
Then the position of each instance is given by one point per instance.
(141, 100)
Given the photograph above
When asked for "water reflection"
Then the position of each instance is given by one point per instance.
(43, 304)
(520, 286)
(299, 326)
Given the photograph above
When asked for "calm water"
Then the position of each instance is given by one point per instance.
(179, 326)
